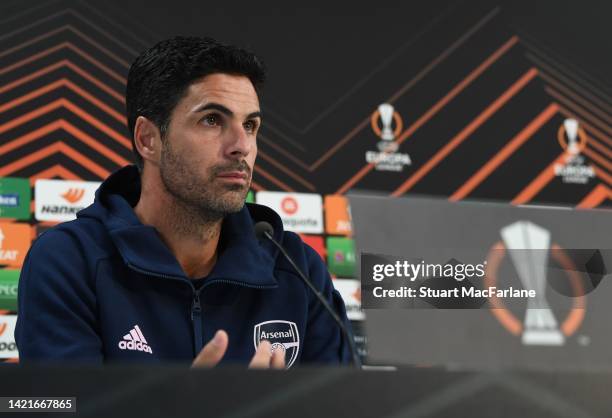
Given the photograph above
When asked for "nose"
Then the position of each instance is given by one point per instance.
(240, 143)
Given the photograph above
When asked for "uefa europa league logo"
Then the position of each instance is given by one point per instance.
(572, 137)
(540, 325)
(530, 249)
(571, 131)
(573, 140)
(387, 116)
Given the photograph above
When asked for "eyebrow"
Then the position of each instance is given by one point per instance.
(225, 110)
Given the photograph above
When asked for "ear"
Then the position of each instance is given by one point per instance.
(147, 139)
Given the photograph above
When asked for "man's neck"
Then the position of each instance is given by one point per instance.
(190, 236)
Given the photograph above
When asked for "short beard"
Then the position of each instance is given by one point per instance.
(197, 202)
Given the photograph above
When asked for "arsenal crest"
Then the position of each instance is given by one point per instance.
(283, 335)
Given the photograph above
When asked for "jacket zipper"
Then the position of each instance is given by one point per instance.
(196, 320)
(196, 306)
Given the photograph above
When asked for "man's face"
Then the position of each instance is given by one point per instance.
(210, 146)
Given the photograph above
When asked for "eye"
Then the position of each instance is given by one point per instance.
(212, 119)
(250, 126)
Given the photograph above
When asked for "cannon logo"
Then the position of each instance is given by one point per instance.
(60, 200)
(283, 335)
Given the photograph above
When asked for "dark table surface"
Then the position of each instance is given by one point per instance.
(172, 391)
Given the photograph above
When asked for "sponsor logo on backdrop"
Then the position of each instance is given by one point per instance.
(9, 200)
(9, 280)
(341, 256)
(283, 335)
(316, 242)
(15, 198)
(15, 240)
(350, 290)
(289, 206)
(300, 212)
(60, 200)
(540, 326)
(8, 348)
(387, 124)
(573, 140)
(250, 197)
(337, 215)
(73, 195)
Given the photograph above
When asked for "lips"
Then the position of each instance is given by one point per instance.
(233, 175)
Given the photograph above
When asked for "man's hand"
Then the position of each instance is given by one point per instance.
(264, 358)
(213, 352)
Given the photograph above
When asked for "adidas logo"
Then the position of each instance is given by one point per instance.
(135, 341)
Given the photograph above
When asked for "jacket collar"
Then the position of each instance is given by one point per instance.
(242, 259)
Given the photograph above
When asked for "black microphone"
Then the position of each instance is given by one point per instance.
(264, 230)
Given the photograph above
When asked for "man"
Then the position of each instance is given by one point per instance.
(165, 265)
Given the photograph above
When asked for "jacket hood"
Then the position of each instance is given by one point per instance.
(242, 258)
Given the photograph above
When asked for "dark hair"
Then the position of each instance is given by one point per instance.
(159, 77)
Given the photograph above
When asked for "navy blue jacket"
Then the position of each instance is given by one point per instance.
(105, 288)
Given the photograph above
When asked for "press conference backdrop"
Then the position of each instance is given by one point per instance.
(489, 100)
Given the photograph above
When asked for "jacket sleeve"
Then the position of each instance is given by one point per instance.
(57, 319)
(324, 342)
